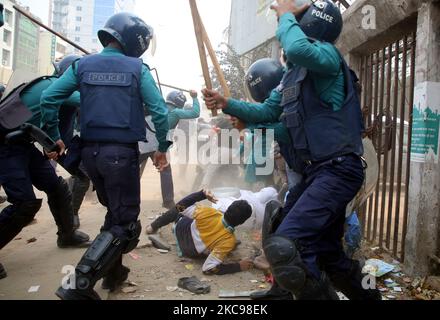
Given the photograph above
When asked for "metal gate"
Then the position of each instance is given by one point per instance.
(387, 78)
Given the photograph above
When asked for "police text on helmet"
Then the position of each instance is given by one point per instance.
(322, 15)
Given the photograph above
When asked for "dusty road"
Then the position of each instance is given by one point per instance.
(40, 263)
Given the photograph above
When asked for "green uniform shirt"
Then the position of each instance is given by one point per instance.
(53, 97)
(31, 98)
(321, 59)
(176, 114)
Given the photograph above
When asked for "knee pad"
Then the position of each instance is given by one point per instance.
(273, 216)
(286, 264)
(133, 231)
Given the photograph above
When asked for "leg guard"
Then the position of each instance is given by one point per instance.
(286, 264)
(350, 284)
(133, 232)
(102, 256)
(273, 216)
(20, 215)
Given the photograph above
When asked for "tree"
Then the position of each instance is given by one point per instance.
(230, 63)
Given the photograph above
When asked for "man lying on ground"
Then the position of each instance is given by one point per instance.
(206, 232)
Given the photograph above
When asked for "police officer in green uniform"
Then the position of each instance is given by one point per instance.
(114, 86)
(176, 102)
(318, 104)
(23, 167)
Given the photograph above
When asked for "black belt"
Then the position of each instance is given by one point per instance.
(332, 161)
(133, 145)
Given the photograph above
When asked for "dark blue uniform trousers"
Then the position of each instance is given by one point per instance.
(114, 171)
(21, 168)
(315, 212)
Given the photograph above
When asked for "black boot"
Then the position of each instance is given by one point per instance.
(318, 290)
(3, 273)
(116, 276)
(350, 284)
(274, 293)
(75, 239)
(60, 204)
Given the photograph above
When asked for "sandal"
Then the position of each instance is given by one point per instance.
(193, 285)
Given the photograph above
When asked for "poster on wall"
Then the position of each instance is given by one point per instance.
(426, 123)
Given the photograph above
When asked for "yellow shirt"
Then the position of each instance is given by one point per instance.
(217, 238)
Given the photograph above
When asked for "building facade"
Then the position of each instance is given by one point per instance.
(254, 39)
(7, 41)
(27, 35)
(80, 20)
(51, 48)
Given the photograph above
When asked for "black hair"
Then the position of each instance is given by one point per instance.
(237, 213)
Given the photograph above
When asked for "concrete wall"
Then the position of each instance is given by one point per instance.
(423, 238)
(249, 25)
(390, 18)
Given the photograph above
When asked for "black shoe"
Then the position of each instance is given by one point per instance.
(168, 204)
(3, 273)
(112, 282)
(77, 239)
(274, 293)
(76, 223)
(76, 294)
(318, 290)
(350, 284)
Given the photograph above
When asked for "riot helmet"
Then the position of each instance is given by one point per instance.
(262, 77)
(176, 99)
(130, 31)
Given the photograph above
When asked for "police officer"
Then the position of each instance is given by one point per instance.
(317, 103)
(114, 85)
(176, 102)
(68, 117)
(23, 166)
